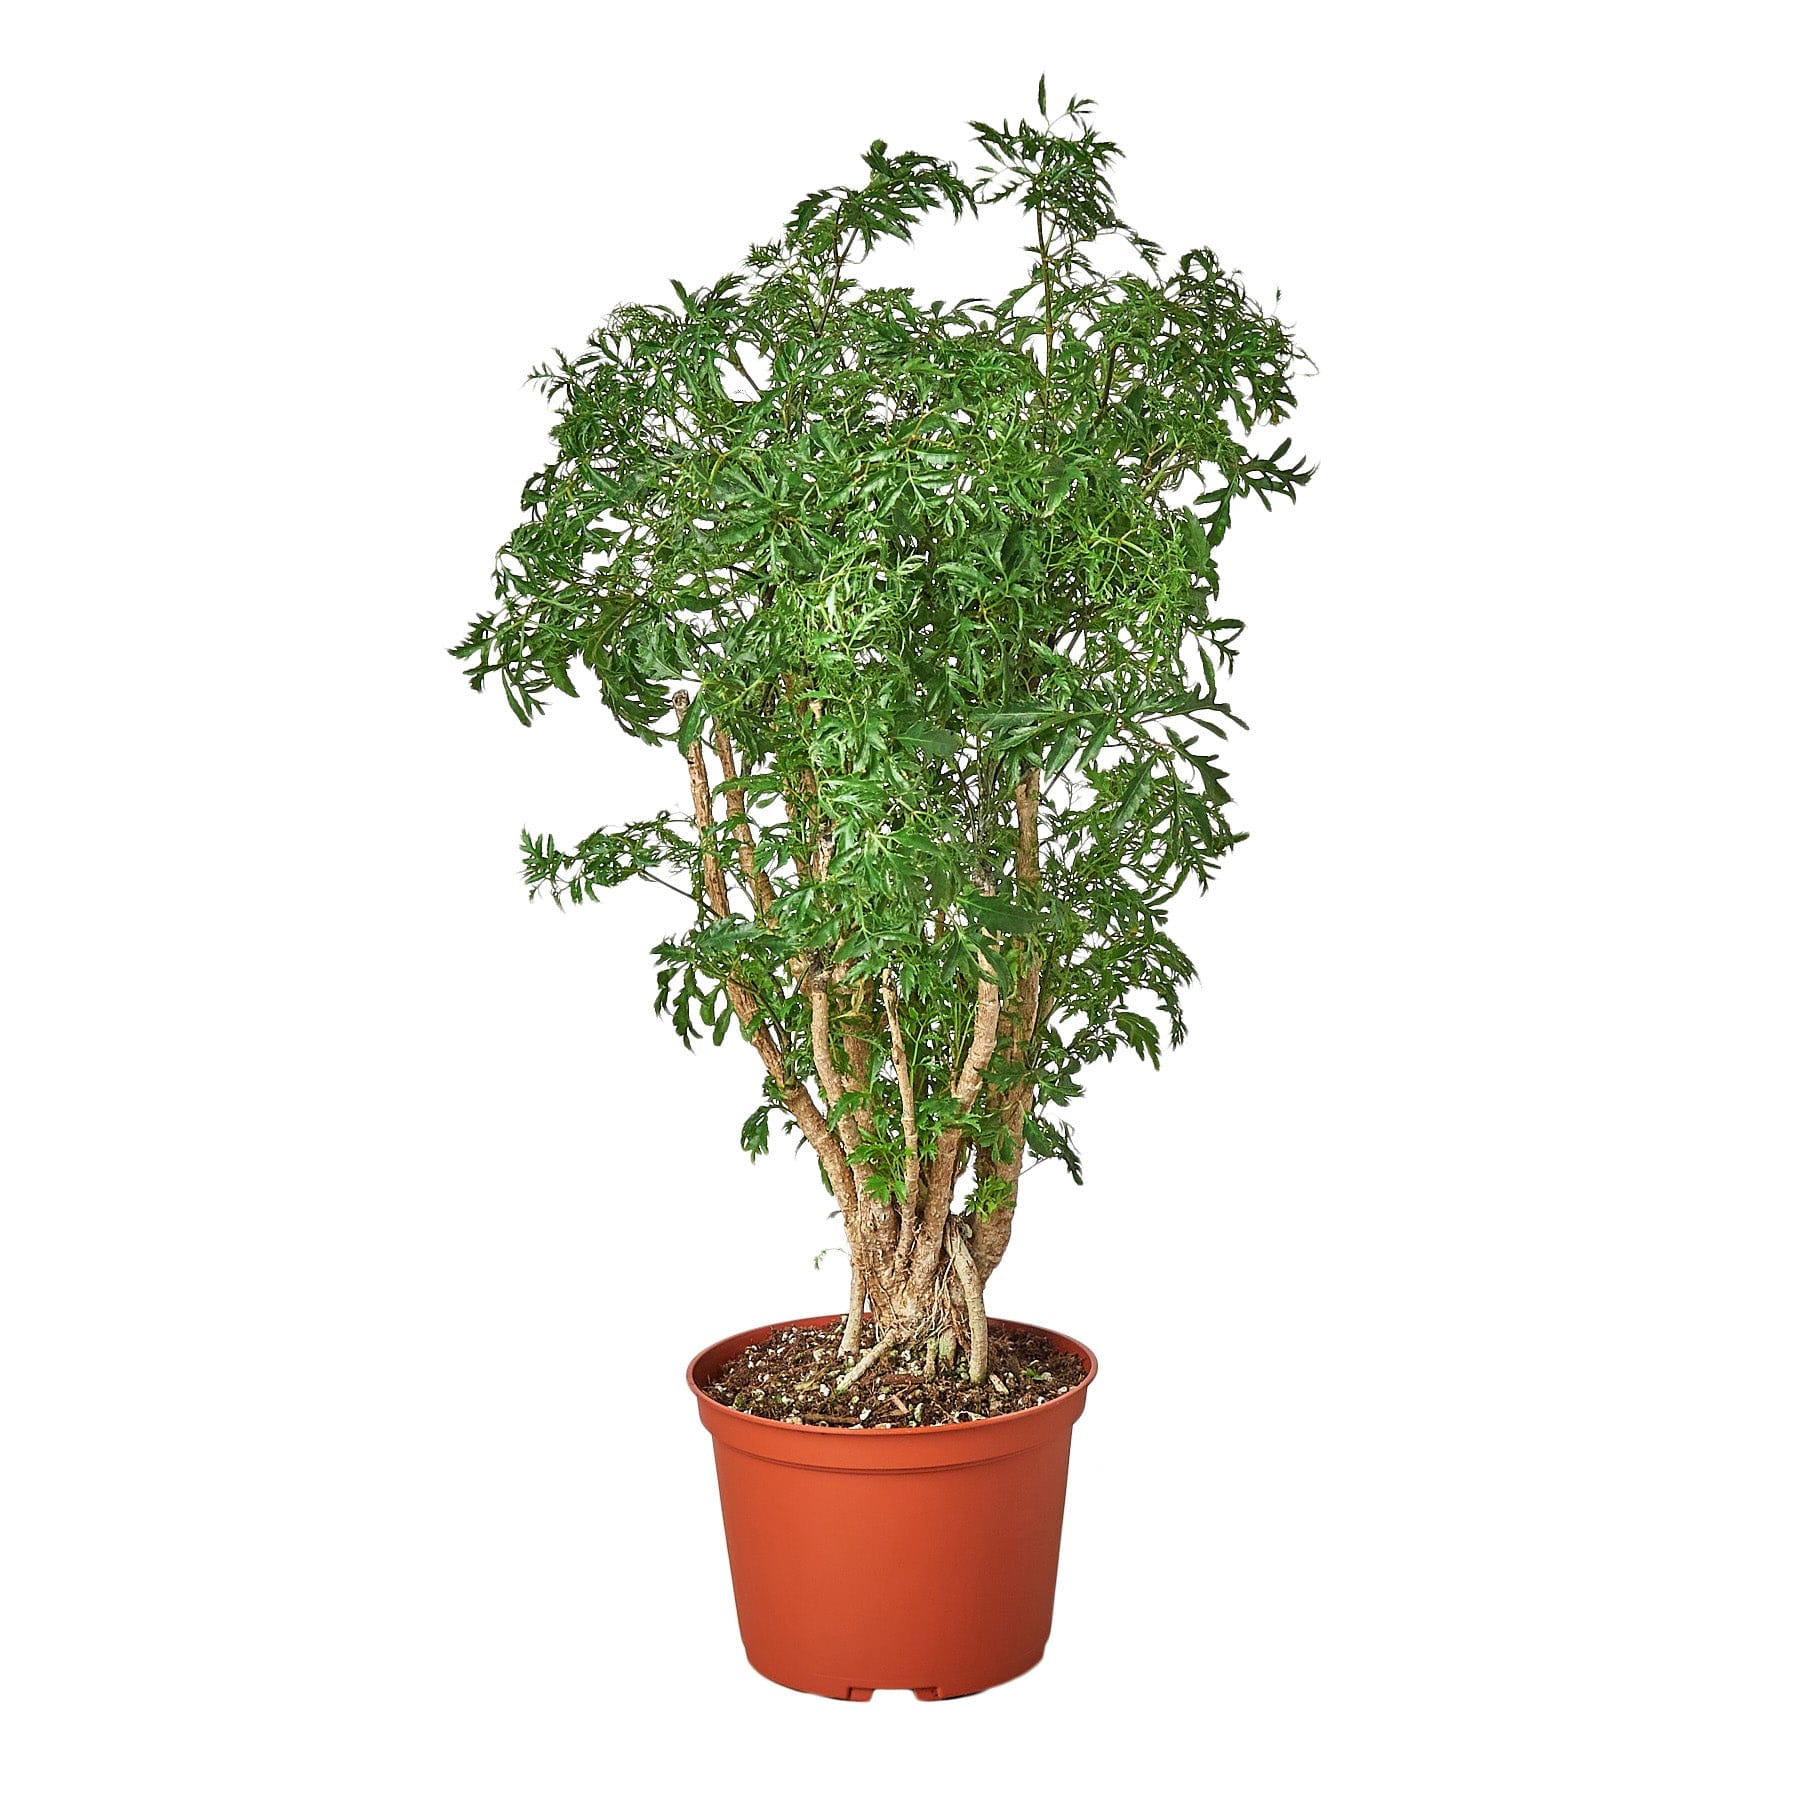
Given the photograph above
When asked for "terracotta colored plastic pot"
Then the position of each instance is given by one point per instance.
(923, 1557)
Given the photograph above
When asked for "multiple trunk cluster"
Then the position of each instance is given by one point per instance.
(919, 1267)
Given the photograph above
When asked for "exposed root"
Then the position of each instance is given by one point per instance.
(873, 1355)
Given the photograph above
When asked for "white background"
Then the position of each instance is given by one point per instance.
(361, 1217)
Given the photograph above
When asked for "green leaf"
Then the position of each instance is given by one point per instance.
(692, 723)
(1000, 915)
(932, 740)
(1135, 790)
(1061, 751)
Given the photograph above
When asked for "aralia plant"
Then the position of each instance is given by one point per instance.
(925, 597)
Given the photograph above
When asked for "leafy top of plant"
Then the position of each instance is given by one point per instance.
(926, 596)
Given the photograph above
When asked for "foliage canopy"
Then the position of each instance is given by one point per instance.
(934, 585)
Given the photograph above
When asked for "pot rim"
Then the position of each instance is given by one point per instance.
(1077, 1395)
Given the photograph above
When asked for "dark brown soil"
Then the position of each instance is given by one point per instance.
(793, 1375)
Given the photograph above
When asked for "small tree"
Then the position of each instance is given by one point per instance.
(925, 595)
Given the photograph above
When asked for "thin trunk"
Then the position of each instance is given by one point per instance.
(869, 1226)
(997, 1176)
(909, 1121)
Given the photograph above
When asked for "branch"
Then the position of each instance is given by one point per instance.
(993, 1229)
(829, 1078)
(712, 876)
(969, 1278)
(1049, 321)
(981, 1044)
(1025, 796)
(946, 1160)
(1112, 354)
(858, 1037)
(737, 362)
(909, 1122)
(756, 882)
(990, 1234)
(796, 1099)
(851, 1341)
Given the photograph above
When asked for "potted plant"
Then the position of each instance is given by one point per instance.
(924, 597)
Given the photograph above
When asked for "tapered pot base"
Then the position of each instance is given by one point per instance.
(868, 1693)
